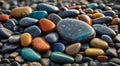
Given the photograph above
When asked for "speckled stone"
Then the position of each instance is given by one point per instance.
(74, 30)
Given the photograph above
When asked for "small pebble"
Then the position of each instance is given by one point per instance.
(85, 46)
(19, 59)
(89, 10)
(92, 63)
(109, 13)
(87, 59)
(92, 5)
(58, 47)
(4, 17)
(115, 21)
(115, 60)
(98, 15)
(14, 38)
(102, 58)
(15, 64)
(14, 54)
(45, 61)
(78, 58)
(107, 38)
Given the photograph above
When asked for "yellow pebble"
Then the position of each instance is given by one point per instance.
(25, 39)
(97, 15)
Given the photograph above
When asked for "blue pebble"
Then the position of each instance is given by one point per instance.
(107, 38)
(33, 30)
(58, 47)
(92, 5)
(38, 14)
(109, 13)
(52, 37)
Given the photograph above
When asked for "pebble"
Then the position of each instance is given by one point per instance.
(78, 58)
(33, 30)
(54, 18)
(111, 52)
(101, 29)
(115, 21)
(99, 43)
(27, 21)
(73, 30)
(6, 33)
(47, 7)
(117, 38)
(97, 15)
(25, 39)
(108, 8)
(87, 59)
(85, 18)
(68, 13)
(38, 14)
(89, 11)
(101, 6)
(58, 47)
(52, 37)
(30, 55)
(14, 38)
(15, 64)
(92, 63)
(109, 13)
(47, 54)
(61, 58)
(94, 52)
(19, 59)
(75, 64)
(112, 64)
(92, 5)
(101, 20)
(75, 7)
(45, 61)
(4, 17)
(67, 65)
(73, 49)
(14, 54)
(46, 25)
(40, 44)
(115, 60)
(107, 38)
(35, 64)
(115, 28)
(20, 12)
(102, 58)
(85, 46)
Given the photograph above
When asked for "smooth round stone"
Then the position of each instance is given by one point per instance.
(6, 33)
(85, 18)
(92, 63)
(101, 29)
(108, 8)
(30, 54)
(75, 7)
(109, 13)
(20, 12)
(115, 60)
(38, 14)
(14, 38)
(40, 44)
(101, 6)
(54, 18)
(116, 21)
(73, 49)
(25, 39)
(46, 25)
(27, 21)
(33, 30)
(45, 61)
(98, 15)
(19, 59)
(111, 52)
(99, 43)
(102, 58)
(4, 17)
(52, 37)
(89, 10)
(94, 52)
(78, 58)
(47, 7)
(92, 5)
(107, 38)
(68, 13)
(14, 54)
(102, 20)
(58, 47)
(73, 30)
(61, 58)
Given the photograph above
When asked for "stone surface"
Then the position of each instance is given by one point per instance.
(78, 58)
(58, 47)
(15, 64)
(30, 55)
(74, 30)
(14, 54)
(19, 59)
(115, 60)
(4, 17)
(98, 15)
(61, 58)
(92, 5)
(86, 59)
(99, 43)
(102, 58)
(117, 38)
(73, 49)
(40, 44)
(109, 13)
(116, 21)
(25, 39)
(94, 52)
(92, 63)
(107, 38)
(14, 38)
(45, 61)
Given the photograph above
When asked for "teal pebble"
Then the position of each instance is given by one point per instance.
(92, 5)
(30, 55)
(38, 14)
(61, 57)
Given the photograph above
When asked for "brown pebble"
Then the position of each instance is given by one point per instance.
(108, 8)
(116, 21)
(46, 25)
(102, 58)
(75, 7)
(4, 17)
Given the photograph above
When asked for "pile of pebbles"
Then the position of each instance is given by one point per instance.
(45, 35)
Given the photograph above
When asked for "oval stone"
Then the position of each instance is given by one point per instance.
(116, 21)
(109, 13)
(4, 17)
(92, 5)
(68, 13)
(30, 55)
(98, 43)
(94, 52)
(38, 14)
(101, 29)
(47, 7)
(61, 57)
(102, 20)
(97, 15)
(74, 30)
(25, 39)
(20, 12)
(73, 49)
(75, 7)
(58, 47)
(107, 38)
(40, 44)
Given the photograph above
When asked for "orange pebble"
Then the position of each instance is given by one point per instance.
(4, 17)
(40, 44)
(75, 7)
(97, 15)
(46, 25)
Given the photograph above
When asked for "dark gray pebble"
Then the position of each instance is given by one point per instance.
(92, 63)
(14, 38)
(115, 60)
(87, 59)
(15, 64)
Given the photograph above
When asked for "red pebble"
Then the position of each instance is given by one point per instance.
(4, 17)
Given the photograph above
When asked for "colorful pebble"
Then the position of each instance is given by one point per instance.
(4, 17)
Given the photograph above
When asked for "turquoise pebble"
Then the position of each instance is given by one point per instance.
(61, 57)
(92, 5)
(38, 14)
(30, 55)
